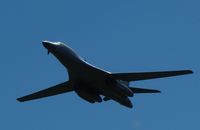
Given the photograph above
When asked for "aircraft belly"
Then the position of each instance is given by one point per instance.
(111, 89)
(92, 84)
(88, 92)
(114, 93)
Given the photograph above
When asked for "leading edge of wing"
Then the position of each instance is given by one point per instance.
(54, 90)
(149, 75)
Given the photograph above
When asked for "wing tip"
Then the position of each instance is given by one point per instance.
(190, 72)
(19, 100)
(184, 71)
(157, 91)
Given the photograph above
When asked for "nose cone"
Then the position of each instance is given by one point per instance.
(50, 46)
(47, 44)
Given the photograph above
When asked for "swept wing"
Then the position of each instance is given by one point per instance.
(148, 75)
(54, 90)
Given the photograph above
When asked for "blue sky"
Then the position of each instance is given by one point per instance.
(116, 35)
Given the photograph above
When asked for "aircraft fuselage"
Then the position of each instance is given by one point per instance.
(88, 81)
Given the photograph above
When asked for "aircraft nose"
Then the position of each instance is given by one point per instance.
(50, 46)
(46, 44)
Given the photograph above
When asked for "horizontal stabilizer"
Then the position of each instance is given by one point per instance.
(57, 89)
(142, 90)
(148, 75)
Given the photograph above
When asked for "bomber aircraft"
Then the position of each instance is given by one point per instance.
(94, 84)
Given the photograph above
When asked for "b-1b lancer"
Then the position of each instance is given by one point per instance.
(92, 83)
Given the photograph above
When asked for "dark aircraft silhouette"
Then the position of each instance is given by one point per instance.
(92, 83)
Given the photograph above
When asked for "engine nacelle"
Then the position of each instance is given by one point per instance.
(124, 87)
(88, 95)
(120, 87)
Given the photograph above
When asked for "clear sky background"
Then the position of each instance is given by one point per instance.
(115, 35)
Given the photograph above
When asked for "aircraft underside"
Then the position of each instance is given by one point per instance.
(92, 83)
(92, 95)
